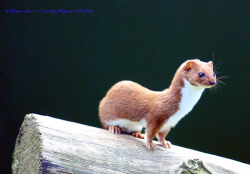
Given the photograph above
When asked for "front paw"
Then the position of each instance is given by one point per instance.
(166, 144)
(151, 145)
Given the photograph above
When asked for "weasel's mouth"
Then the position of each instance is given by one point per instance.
(206, 85)
(193, 84)
(210, 85)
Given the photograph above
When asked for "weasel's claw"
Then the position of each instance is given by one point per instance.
(115, 129)
(138, 135)
(166, 144)
(151, 146)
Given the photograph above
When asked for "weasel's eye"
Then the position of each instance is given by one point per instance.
(214, 74)
(201, 74)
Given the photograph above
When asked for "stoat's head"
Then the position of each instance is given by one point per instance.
(199, 73)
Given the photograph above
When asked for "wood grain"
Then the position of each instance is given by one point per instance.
(50, 145)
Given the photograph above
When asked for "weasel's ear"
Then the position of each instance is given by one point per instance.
(210, 63)
(189, 65)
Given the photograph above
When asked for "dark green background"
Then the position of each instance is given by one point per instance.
(62, 65)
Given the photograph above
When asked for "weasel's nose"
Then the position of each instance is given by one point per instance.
(212, 82)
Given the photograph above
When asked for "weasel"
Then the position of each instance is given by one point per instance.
(128, 106)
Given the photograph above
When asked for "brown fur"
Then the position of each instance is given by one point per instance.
(131, 101)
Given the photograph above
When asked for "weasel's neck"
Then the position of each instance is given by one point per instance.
(190, 96)
(180, 86)
(187, 96)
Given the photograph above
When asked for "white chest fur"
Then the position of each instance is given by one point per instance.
(190, 96)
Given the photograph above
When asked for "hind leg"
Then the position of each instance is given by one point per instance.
(118, 130)
(115, 129)
(138, 135)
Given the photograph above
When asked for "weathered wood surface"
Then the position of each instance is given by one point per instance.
(49, 145)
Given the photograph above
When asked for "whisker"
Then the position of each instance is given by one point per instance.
(218, 83)
(215, 88)
(221, 82)
(217, 65)
(219, 79)
(218, 72)
(223, 77)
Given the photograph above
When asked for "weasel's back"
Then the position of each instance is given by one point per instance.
(127, 89)
(125, 100)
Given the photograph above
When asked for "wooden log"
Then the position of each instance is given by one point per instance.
(50, 145)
